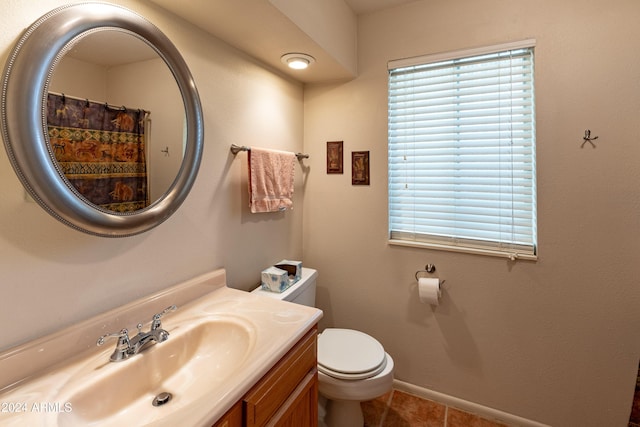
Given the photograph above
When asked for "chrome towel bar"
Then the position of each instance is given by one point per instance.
(235, 149)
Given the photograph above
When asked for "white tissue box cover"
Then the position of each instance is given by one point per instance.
(275, 279)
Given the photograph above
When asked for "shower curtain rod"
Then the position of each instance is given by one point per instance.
(114, 107)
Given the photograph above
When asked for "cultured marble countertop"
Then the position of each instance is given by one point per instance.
(35, 378)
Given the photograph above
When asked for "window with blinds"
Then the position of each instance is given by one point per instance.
(462, 170)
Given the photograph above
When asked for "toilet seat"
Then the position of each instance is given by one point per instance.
(349, 355)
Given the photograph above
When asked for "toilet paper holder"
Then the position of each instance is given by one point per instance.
(429, 268)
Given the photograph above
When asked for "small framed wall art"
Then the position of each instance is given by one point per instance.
(359, 168)
(334, 157)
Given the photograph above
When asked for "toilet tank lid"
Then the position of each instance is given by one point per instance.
(289, 294)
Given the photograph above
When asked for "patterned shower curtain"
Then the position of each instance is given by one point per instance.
(101, 151)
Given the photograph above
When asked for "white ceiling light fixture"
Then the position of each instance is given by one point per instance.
(297, 61)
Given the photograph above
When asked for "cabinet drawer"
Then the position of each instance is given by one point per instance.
(274, 389)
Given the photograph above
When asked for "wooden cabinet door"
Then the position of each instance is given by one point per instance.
(287, 389)
(301, 409)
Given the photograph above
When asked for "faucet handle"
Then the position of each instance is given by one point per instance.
(156, 318)
(123, 337)
(122, 347)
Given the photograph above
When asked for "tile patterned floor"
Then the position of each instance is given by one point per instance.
(401, 409)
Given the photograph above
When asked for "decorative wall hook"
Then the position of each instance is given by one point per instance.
(587, 138)
(165, 151)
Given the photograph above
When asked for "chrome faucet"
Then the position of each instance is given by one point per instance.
(126, 346)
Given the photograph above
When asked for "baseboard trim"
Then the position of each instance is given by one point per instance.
(474, 408)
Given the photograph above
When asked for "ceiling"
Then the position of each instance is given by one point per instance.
(247, 25)
(111, 48)
(361, 7)
(261, 30)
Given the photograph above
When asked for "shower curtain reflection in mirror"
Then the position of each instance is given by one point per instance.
(100, 149)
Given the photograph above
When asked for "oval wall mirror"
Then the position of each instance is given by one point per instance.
(101, 119)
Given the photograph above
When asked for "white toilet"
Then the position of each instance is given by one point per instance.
(352, 366)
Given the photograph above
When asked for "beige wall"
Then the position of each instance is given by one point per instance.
(52, 276)
(555, 340)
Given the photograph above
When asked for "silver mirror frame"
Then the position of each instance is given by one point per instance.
(24, 89)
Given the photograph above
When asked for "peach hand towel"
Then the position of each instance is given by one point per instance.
(270, 180)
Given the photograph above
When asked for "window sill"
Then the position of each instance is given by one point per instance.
(513, 256)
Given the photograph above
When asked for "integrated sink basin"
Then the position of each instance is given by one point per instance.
(197, 356)
(221, 342)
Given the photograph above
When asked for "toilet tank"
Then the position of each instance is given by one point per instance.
(302, 292)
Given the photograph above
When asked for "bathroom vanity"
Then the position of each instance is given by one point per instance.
(232, 358)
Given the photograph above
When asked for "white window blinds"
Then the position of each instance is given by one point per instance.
(462, 152)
